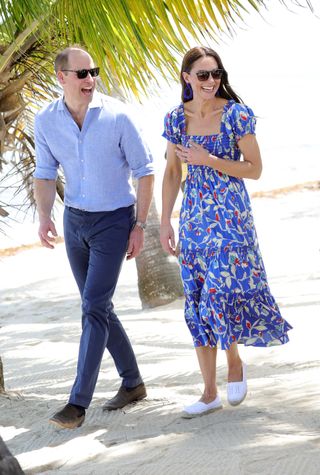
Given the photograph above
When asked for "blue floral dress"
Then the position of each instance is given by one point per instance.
(225, 284)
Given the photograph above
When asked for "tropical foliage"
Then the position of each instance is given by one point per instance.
(134, 41)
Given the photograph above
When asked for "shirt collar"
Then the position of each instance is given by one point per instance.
(95, 103)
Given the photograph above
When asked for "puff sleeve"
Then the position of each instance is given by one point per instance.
(172, 130)
(242, 120)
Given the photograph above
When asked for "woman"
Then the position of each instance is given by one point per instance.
(228, 300)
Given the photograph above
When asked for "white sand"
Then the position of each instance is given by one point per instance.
(274, 432)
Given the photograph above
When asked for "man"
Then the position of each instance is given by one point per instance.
(95, 142)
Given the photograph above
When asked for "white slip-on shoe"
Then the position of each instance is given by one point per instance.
(200, 408)
(237, 391)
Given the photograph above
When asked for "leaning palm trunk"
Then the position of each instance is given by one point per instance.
(158, 274)
(1, 377)
(3, 213)
(159, 280)
(9, 465)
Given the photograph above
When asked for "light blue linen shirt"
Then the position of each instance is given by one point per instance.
(98, 160)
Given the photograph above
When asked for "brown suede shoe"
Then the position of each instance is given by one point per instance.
(70, 417)
(124, 397)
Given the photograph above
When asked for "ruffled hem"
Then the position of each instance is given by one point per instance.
(253, 320)
(228, 299)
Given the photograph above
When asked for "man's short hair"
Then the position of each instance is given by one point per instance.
(62, 58)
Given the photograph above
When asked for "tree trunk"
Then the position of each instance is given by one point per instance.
(1, 377)
(9, 465)
(159, 281)
(3, 213)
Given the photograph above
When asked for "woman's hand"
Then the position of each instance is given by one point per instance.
(167, 239)
(193, 155)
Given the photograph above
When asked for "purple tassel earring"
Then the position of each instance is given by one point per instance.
(188, 93)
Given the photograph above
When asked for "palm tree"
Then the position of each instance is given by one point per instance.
(133, 40)
(159, 280)
(1, 377)
(9, 465)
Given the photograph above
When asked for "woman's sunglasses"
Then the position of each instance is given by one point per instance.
(204, 75)
(83, 73)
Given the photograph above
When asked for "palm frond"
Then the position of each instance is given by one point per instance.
(132, 40)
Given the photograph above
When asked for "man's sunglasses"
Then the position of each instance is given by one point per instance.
(204, 75)
(83, 73)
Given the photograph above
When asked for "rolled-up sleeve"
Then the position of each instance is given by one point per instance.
(46, 164)
(134, 148)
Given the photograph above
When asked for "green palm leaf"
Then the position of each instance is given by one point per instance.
(134, 41)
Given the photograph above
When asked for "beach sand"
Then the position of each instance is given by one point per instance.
(276, 431)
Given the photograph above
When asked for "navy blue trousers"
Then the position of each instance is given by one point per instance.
(96, 245)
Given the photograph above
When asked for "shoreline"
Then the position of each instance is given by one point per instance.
(308, 186)
(274, 193)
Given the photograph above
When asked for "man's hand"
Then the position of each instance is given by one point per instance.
(136, 242)
(47, 226)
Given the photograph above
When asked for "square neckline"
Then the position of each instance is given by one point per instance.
(184, 125)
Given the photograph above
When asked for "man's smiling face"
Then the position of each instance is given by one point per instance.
(78, 91)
